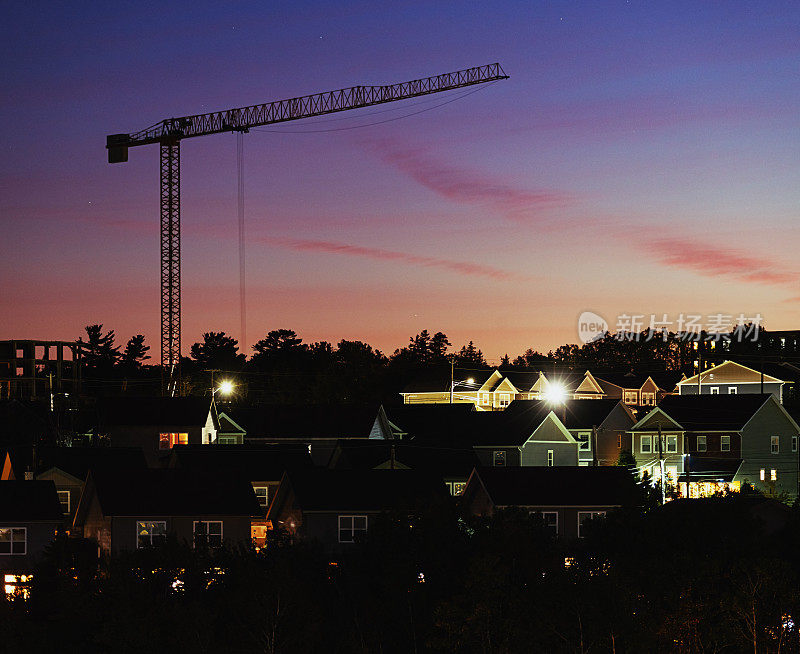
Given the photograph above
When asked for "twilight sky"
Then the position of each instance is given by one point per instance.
(644, 158)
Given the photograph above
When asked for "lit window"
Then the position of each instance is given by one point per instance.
(762, 474)
(13, 540)
(732, 390)
(773, 475)
(149, 534)
(549, 520)
(550, 458)
(648, 399)
(63, 498)
(505, 399)
(207, 533)
(458, 487)
(584, 442)
(167, 440)
(646, 445)
(619, 442)
(499, 457)
(774, 444)
(725, 444)
(631, 397)
(485, 398)
(672, 444)
(702, 444)
(352, 527)
(583, 516)
(262, 495)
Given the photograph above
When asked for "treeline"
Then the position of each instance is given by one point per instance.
(705, 577)
(283, 368)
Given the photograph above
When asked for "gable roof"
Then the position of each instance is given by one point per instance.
(171, 492)
(444, 423)
(308, 421)
(710, 412)
(556, 486)
(250, 462)
(441, 459)
(29, 501)
(155, 411)
(322, 489)
(730, 372)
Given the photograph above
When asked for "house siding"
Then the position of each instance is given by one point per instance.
(769, 421)
(535, 453)
(39, 536)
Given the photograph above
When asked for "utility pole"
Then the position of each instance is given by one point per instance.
(452, 377)
(661, 464)
(699, 368)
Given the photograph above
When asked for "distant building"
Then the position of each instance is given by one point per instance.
(564, 498)
(492, 390)
(135, 509)
(30, 514)
(31, 369)
(731, 378)
(717, 442)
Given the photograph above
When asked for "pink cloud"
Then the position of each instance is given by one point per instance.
(329, 247)
(717, 261)
(468, 186)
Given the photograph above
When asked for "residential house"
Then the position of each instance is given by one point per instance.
(338, 507)
(452, 464)
(564, 497)
(492, 390)
(30, 515)
(540, 433)
(131, 509)
(717, 442)
(637, 389)
(731, 378)
(67, 468)
(319, 427)
(262, 466)
(156, 424)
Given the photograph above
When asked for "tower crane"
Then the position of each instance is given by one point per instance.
(169, 133)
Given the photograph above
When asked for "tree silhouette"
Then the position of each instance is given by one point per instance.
(218, 351)
(135, 353)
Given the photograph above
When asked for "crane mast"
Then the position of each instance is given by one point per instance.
(169, 133)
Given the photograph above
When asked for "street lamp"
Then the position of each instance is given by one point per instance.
(555, 393)
(225, 387)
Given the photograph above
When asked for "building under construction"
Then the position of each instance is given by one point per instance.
(36, 370)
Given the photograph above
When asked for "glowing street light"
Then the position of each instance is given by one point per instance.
(555, 393)
(225, 387)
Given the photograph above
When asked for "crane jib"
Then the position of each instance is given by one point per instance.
(318, 104)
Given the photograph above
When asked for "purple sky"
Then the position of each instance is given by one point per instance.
(642, 159)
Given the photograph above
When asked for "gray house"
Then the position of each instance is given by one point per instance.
(30, 514)
(538, 433)
(133, 509)
(563, 497)
(714, 442)
(731, 378)
(338, 507)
